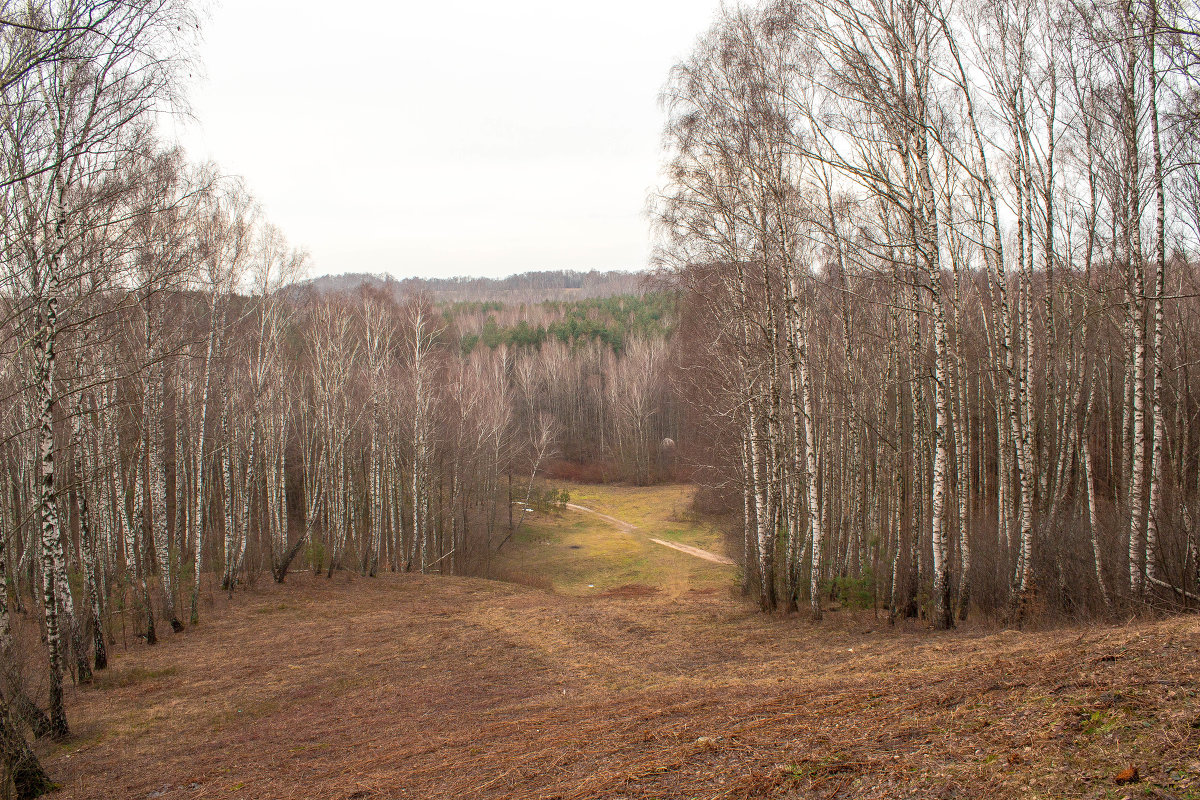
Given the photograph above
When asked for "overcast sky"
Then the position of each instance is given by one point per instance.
(444, 138)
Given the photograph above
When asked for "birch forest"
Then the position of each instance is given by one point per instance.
(181, 416)
(916, 341)
(948, 253)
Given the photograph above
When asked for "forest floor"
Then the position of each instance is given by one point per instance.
(660, 682)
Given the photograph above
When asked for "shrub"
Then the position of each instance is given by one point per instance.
(853, 592)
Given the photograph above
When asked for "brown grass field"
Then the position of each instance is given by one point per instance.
(407, 686)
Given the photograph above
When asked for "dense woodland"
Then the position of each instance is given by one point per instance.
(182, 415)
(922, 326)
(940, 273)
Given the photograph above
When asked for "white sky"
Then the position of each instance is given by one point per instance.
(455, 138)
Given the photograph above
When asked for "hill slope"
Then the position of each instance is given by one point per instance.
(412, 686)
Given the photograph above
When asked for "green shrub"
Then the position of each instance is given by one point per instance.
(853, 592)
(315, 553)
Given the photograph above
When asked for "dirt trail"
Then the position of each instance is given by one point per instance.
(695, 551)
(629, 528)
(620, 523)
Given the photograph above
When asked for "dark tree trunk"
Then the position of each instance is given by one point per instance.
(280, 569)
(23, 772)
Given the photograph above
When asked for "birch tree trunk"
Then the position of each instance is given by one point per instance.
(1158, 431)
(51, 535)
(810, 461)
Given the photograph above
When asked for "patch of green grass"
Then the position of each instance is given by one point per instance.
(1099, 723)
(835, 764)
(579, 553)
(90, 738)
(249, 709)
(664, 512)
(117, 678)
(272, 609)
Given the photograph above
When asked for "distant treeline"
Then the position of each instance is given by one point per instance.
(526, 287)
(608, 320)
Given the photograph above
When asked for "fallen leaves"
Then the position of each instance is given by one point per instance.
(1128, 775)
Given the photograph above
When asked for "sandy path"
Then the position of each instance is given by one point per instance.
(694, 551)
(628, 528)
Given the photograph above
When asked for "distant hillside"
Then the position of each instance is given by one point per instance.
(527, 287)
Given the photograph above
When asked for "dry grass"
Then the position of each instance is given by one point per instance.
(406, 686)
(656, 682)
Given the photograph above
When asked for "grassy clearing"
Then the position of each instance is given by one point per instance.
(662, 511)
(576, 553)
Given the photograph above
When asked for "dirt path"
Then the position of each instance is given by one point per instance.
(695, 551)
(629, 528)
(620, 523)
